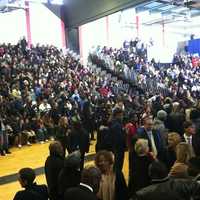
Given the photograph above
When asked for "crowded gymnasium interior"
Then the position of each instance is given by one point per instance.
(100, 100)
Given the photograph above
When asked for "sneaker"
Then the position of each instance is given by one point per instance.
(52, 139)
(41, 142)
(46, 140)
(29, 144)
(19, 146)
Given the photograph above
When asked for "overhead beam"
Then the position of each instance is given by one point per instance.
(78, 12)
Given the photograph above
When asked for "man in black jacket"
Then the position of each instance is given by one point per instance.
(164, 188)
(53, 166)
(32, 190)
(118, 137)
(89, 186)
(191, 138)
(194, 168)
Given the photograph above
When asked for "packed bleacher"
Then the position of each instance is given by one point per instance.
(48, 95)
(130, 64)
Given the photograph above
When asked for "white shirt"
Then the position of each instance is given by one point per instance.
(87, 186)
(153, 145)
(188, 139)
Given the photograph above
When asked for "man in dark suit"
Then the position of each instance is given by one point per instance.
(191, 138)
(53, 166)
(89, 186)
(164, 188)
(32, 190)
(118, 137)
(154, 138)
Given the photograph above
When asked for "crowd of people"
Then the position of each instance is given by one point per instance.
(130, 64)
(46, 94)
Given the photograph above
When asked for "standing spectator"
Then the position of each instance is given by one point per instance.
(164, 188)
(140, 173)
(176, 119)
(173, 140)
(159, 125)
(194, 168)
(112, 185)
(195, 118)
(183, 154)
(154, 138)
(89, 186)
(70, 175)
(118, 137)
(53, 166)
(3, 138)
(62, 133)
(79, 140)
(189, 137)
(87, 119)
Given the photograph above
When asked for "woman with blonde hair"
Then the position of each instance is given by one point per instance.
(183, 154)
(142, 158)
(112, 185)
(173, 140)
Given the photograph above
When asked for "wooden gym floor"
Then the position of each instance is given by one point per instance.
(31, 156)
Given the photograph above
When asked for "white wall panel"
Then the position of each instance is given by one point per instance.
(45, 26)
(13, 26)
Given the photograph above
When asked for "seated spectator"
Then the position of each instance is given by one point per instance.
(16, 92)
(44, 106)
(89, 186)
(183, 154)
(70, 175)
(112, 180)
(49, 125)
(32, 190)
(41, 131)
(28, 132)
